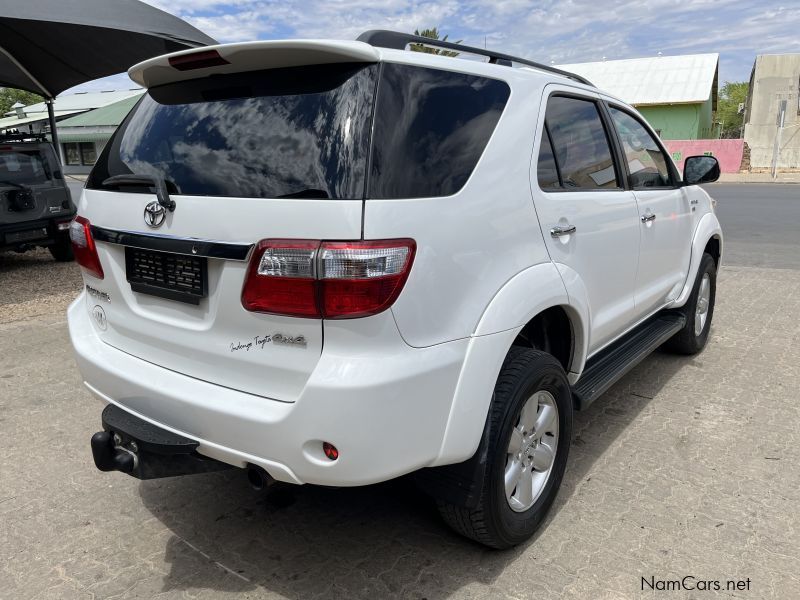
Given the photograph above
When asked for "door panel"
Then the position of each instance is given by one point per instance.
(578, 185)
(664, 211)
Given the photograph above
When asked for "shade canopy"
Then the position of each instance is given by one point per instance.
(48, 46)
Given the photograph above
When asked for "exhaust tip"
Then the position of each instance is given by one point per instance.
(258, 478)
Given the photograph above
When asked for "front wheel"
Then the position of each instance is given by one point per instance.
(530, 425)
(699, 310)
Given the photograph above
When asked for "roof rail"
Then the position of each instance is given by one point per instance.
(395, 40)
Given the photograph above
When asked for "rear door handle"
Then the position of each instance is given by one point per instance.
(648, 218)
(560, 230)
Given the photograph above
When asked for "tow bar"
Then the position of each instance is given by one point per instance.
(140, 449)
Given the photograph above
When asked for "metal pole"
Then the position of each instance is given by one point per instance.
(53, 132)
(776, 150)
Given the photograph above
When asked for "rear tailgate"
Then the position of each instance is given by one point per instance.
(247, 156)
(215, 340)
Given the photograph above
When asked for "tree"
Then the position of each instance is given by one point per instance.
(731, 96)
(434, 35)
(9, 97)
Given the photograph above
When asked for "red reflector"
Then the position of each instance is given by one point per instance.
(197, 60)
(330, 450)
(83, 246)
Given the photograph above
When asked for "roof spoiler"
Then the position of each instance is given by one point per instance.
(248, 56)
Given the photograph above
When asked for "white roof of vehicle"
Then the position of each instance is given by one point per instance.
(686, 79)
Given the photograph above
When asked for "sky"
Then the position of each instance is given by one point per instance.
(564, 31)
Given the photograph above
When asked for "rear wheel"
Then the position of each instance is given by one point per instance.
(699, 310)
(62, 249)
(530, 425)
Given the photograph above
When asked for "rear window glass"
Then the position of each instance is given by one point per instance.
(23, 167)
(431, 127)
(301, 132)
(304, 132)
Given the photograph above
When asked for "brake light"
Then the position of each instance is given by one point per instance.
(331, 280)
(197, 60)
(83, 246)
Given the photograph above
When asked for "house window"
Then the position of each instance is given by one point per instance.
(80, 153)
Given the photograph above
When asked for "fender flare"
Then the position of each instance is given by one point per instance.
(525, 295)
(706, 229)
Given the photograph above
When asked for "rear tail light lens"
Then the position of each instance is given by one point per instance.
(280, 278)
(332, 280)
(83, 246)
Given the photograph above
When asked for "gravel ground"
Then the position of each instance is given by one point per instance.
(32, 284)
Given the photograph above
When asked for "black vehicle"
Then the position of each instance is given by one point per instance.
(35, 203)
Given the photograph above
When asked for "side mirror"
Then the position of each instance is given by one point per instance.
(700, 169)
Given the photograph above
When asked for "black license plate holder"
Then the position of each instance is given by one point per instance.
(178, 277)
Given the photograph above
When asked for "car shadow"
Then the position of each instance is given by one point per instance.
(384, 540)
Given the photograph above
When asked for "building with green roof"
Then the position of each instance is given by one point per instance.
(84, 136)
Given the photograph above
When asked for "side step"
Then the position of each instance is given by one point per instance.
(606, 368)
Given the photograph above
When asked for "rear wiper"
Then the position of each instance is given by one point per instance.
(155, 182)
(307, 193)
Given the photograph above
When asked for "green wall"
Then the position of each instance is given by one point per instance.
(680, 121)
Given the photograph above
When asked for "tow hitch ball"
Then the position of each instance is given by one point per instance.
(110, 455)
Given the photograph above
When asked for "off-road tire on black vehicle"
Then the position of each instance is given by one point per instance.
(62, 249)
(687, 341)
(493, 522)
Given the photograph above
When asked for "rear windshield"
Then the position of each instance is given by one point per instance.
(23, 167)
(305, 132)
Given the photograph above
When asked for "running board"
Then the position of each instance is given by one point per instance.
(605, 369)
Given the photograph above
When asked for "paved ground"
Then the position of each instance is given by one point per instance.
(688, 466)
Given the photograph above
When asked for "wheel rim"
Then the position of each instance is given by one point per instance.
(703, 302)
(531, 451)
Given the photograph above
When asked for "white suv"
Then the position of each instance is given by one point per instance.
(339, 262)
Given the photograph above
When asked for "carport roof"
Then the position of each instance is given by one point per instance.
(686, 79)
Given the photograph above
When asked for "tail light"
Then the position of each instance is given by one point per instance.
(331, 280)
(83, 246)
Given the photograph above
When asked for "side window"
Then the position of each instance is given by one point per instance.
(646, 162)
(547, 170)
(579, 144)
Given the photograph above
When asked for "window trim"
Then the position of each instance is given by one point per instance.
(673, 170)
(610, 139)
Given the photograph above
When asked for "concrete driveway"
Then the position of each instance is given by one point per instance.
(686, 467)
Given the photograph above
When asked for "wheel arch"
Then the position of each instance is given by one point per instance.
(535, 294)
(707, 238)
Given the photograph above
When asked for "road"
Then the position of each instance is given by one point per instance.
(687, 466)
(761, 224)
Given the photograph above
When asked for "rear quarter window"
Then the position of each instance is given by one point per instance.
(431, 127)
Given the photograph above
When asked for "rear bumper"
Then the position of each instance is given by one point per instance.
(386, 411)
(39, 232)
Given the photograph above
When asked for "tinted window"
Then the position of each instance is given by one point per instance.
(297, 132)
(646, 162)
(580, 144)
(547, 170)
(22, 167)
(431, 127)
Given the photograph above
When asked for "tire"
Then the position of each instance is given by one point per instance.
(62, 249)
(694, 335)
(526, 376)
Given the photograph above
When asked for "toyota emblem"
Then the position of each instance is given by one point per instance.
(154, 215)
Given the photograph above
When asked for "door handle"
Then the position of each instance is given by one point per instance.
(648, 218)
(560, 230)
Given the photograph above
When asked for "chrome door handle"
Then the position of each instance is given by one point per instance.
(648, 218)
(560, 230)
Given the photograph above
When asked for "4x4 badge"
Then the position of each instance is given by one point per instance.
(154, 214)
